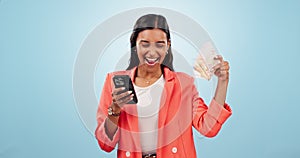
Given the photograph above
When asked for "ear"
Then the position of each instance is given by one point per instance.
(169, 44)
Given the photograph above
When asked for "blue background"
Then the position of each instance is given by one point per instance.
(39, 41)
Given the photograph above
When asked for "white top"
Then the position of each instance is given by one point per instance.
(148, 108)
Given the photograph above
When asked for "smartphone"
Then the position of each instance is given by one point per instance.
(125, 81)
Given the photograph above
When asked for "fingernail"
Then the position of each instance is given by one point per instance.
(129, 92)
(123, 88)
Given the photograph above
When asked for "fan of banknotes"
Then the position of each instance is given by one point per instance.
(205, 61)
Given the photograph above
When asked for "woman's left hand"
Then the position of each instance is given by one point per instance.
(221, 70)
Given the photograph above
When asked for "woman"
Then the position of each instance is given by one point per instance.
(160, 124)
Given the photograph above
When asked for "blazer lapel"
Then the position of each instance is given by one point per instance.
(166, 97)
(132, 117)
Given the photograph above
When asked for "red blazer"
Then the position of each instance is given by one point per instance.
(180, 109)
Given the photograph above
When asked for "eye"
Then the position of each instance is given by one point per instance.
(145, 44)
(160, 45)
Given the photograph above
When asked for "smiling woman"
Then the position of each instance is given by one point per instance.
(160, 123)
(149, 29)
(152, 46)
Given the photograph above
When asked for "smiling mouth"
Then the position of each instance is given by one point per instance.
(151, 61)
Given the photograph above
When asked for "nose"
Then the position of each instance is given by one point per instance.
(152, 51)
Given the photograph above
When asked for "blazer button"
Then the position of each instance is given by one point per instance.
(127, 154)
(174, 150)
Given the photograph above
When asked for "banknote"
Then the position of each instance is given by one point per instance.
(205, 61)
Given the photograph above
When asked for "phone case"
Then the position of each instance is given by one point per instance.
(125, 81)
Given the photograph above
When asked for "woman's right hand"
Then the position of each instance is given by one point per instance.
(119, 100)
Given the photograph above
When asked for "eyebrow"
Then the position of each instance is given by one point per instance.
(155, 42)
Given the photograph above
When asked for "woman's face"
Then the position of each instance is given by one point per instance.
(152, 46)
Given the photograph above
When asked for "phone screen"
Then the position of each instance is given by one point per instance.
(125, 81)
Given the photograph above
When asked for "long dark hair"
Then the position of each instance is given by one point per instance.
(148, 22)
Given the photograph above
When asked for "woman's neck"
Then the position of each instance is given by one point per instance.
(144, 73)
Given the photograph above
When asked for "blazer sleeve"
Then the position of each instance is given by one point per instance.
(208, 120)
(104, 141)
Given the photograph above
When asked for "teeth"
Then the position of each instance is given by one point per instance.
(152, 60)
